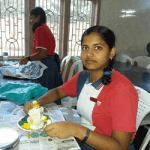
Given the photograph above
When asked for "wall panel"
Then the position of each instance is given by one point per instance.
(129, 19)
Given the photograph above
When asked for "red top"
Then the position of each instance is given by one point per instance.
(43, 38)
(119, 104)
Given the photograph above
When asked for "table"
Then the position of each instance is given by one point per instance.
(137, 75)
(11, 113)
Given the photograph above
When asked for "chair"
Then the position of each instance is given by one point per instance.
(64, 66)
(77, 66)
(148, 68)
(143, 111)
(75, 58)
(69, 101)
(124, 58)
(142, 61)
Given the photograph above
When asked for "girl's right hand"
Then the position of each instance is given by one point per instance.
(23, 60)
(28, 106)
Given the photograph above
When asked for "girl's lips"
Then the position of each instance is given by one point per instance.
(90, 61)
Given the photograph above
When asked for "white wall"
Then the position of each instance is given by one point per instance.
(132, 30)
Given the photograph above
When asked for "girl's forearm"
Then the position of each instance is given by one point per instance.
(36, 56)
(96, 140)
(51, 96)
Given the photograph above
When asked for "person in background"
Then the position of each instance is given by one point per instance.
(107, 100)
(148, 49)
(43, 50)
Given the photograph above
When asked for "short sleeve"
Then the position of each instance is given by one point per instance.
(70, 87)
(39, 38)
(124, 103)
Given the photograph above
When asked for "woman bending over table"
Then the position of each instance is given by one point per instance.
(107, 100)
(43, 49)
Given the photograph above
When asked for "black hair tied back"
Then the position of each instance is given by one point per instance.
(38, 11)
(106, 79)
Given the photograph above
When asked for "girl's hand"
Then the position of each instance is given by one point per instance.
(23, 60)
(1, 64)
(28, 106)
(61, 130)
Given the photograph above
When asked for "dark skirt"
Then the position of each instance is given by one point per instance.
(51, 77)
(84, 146)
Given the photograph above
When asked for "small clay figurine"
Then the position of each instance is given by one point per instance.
(37, 119)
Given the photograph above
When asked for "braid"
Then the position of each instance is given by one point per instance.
(106, 79)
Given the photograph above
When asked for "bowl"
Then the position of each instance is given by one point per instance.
(9, 139)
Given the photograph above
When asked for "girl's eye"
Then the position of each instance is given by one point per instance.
(84, 48)
(98, 48)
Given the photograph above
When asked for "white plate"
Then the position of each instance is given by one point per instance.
(50, 119)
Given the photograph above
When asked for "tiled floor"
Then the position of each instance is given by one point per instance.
(140, 135)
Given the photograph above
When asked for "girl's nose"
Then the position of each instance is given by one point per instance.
(89, 53)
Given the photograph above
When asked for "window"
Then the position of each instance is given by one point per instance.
(67, 19)
(12, 37)
(80, 20)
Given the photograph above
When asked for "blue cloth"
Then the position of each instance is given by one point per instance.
(21, 92)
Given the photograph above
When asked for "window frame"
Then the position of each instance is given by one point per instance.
(64, 23)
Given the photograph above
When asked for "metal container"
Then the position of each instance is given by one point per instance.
(9, 139)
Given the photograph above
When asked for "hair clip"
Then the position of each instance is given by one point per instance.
(107, 73)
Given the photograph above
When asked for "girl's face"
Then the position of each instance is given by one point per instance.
(33, 19)
(95, 52)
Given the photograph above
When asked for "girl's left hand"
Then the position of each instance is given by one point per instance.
(62, 129)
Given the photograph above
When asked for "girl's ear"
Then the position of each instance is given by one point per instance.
(38, 18)
(112, 52)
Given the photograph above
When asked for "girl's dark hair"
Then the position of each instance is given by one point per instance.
(148, 47)
(38, 11)
(108, 36)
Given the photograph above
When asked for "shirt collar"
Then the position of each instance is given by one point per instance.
(97, 84)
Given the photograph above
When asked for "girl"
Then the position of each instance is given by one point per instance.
(43, 49)
(107, 100)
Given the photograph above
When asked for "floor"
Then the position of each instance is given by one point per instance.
(140, 135)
